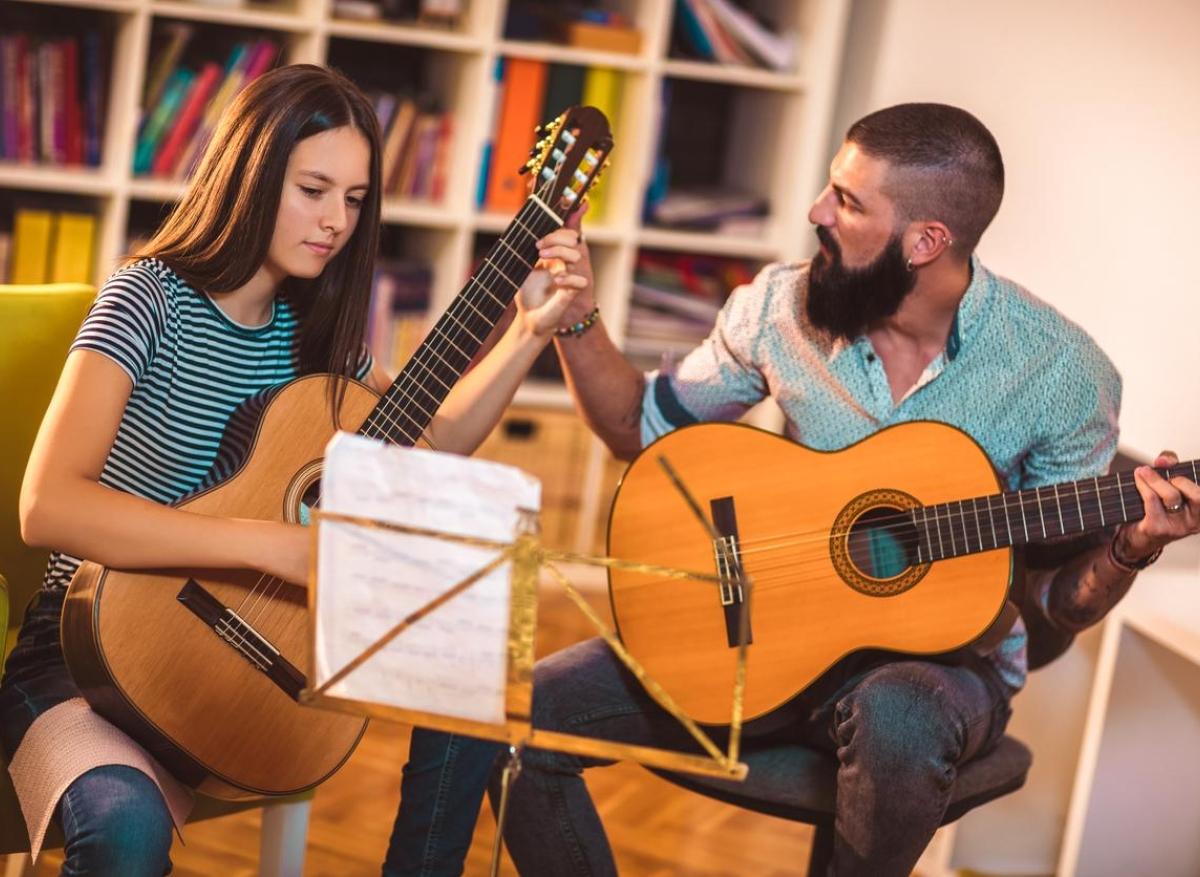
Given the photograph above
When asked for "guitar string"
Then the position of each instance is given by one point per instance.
(968, 510)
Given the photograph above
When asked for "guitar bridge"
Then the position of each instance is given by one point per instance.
(241, 636)
(727, 555)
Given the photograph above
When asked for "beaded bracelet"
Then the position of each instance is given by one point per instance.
(577, 329)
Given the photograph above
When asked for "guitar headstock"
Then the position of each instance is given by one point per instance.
(569, 158)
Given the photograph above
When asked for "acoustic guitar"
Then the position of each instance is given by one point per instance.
(903, 541)
(202, 666)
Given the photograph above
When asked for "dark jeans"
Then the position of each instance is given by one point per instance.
(114, 818)
(899, 729)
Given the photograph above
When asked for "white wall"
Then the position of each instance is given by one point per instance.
(1096, 106)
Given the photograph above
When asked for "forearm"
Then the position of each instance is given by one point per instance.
(607, 390)
(475, 404)
(86, 519)
(1085, 589)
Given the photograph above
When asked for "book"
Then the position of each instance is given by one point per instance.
(93, 102)
(73, 104)
(5, 255)
(74, 248)
(177, 35)
(602, 90)
(187, 119)
(564, 89)
(395, 142)
(441, 159)
(485, 164)
(777, 51)
(33, 233)
(524, 90)
(158, 121)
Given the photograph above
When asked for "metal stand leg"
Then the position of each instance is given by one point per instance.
(512, 770)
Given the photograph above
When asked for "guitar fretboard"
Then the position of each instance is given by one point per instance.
(1019, 517)
(415, 396)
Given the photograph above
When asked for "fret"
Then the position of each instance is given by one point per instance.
(950, 527)
(1037, 494)
(1058, 501)
(912, 516)
(937, 523)
(1024, 522)
(1099, 501)
(1007, 519)
(978, 528)
(520, 258)
(496, 268)
(962, 519)
(1121, 494)
(992, 521)
(466, 329)
(1079, 506)
(1195, 477)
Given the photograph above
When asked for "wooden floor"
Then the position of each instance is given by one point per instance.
(656, 829)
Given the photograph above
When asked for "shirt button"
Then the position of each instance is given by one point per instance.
(870, 357)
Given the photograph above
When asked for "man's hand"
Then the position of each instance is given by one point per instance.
(1172, 511)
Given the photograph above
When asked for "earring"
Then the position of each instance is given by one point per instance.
(908, 265)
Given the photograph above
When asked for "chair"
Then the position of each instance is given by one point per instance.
(37, 324)
(796, 782)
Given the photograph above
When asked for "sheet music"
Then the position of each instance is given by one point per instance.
(454, 661)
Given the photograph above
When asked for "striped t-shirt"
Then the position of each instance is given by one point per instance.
(192, 368)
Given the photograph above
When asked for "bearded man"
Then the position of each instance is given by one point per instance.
(895, 319)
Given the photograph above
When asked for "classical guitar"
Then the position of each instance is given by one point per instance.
(903, 541)
(203, 666)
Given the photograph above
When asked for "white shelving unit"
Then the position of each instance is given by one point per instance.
(778, 135)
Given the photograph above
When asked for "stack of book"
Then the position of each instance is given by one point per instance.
(675, 301)
(397, 322)
(528, 93)
(721, 31)
(440, 13)
(183, 103)
(416, 146)
(51, 98)
(48, 247)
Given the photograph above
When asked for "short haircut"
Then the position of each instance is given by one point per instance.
(945, 166)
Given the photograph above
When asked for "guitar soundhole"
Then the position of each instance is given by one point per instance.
(309, 501)
(873, 544)
(882, 543)
(303, 494)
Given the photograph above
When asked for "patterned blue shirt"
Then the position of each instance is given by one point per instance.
(1031, 387)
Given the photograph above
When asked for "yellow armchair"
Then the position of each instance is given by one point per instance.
(37, 325)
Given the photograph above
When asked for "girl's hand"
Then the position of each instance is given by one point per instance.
(559, 291)
(283, 551)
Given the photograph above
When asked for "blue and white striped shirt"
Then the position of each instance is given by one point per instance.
(192, 368)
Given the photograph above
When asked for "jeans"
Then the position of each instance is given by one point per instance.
(114, 818)
(440, 796)
(899, 729)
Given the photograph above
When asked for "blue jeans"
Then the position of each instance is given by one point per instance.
(440, 797)
(903, 726)
(114, 818)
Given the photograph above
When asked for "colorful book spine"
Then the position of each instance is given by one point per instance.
(524, 90)
(160, 118)
(93, 104)
(187, 120)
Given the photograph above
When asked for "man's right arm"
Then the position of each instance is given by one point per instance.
(606, 388)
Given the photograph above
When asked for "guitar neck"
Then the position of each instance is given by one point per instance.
(405, 410)
(1020, 517)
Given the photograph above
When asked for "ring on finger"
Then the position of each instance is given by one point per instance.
(1175, 509)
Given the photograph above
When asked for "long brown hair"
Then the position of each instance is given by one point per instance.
(219, 233)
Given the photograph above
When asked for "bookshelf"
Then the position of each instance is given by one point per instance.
(775, 145)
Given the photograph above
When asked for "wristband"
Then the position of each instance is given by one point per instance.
(577, 329)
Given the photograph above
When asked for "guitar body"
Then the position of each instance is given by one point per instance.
(816, 596)
(156, 670)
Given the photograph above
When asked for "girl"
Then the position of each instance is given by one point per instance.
(261, 273)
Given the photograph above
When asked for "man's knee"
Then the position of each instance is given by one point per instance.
(116, 822)
(898, 723)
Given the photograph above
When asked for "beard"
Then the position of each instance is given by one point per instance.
(845, 301)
